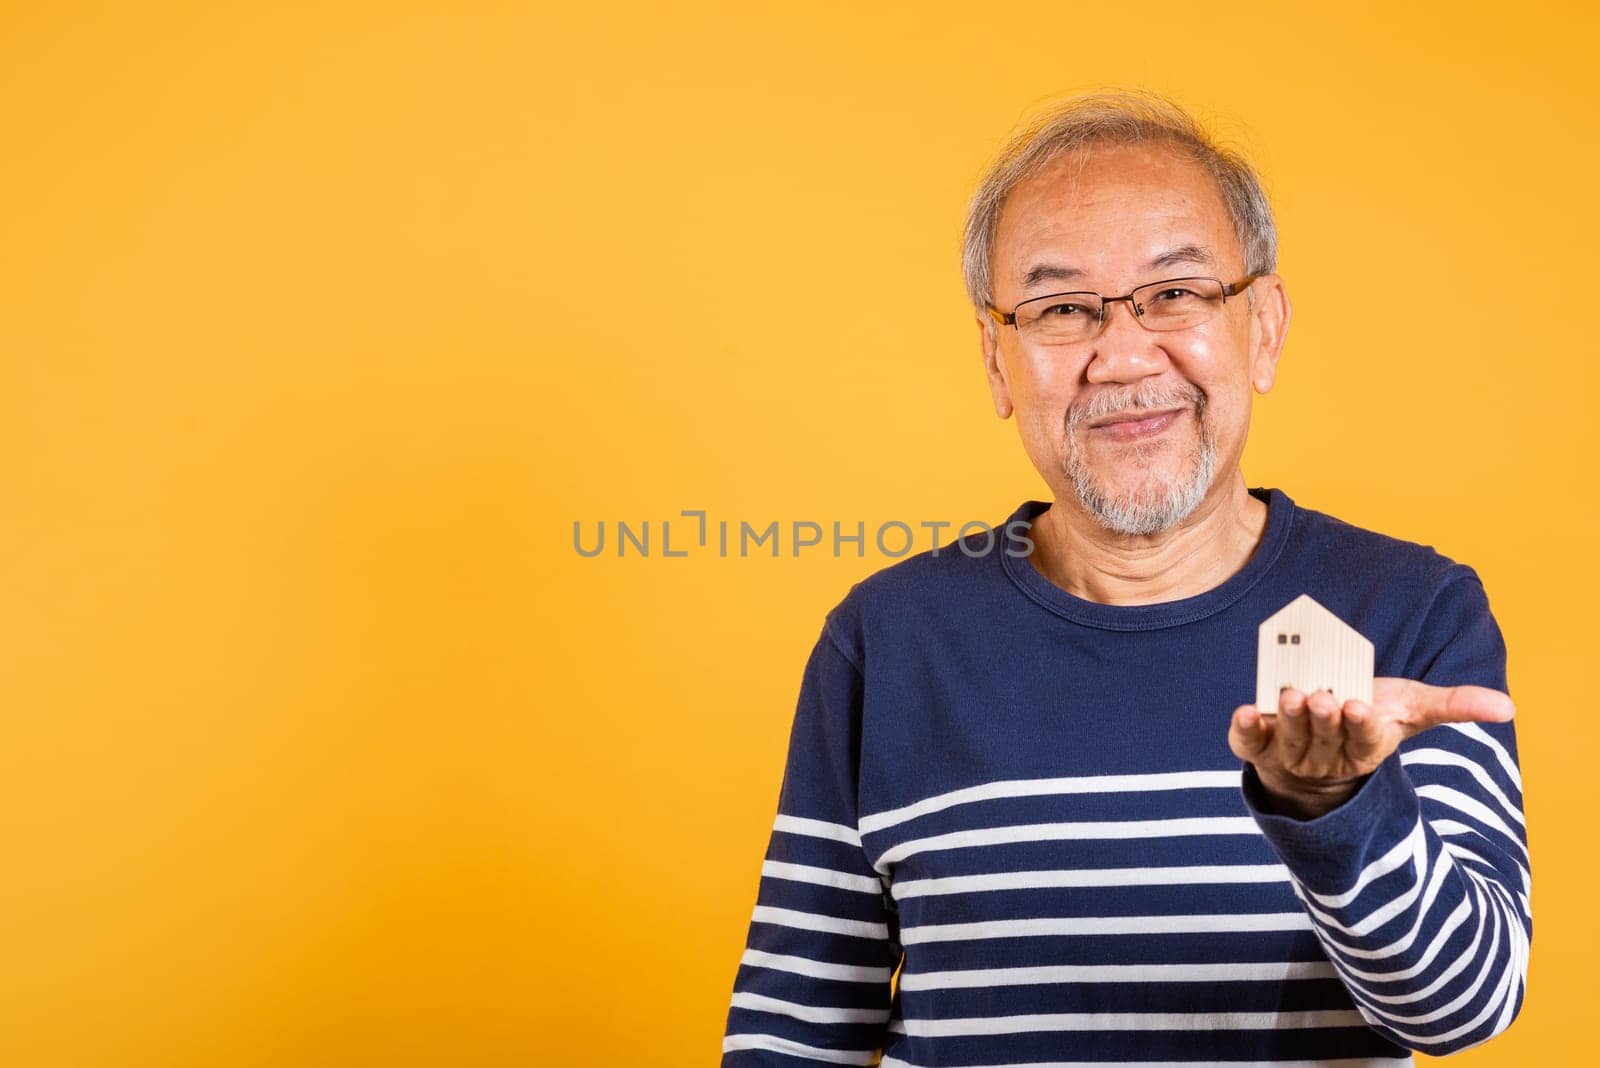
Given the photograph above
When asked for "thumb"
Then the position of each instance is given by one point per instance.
(1429, 705)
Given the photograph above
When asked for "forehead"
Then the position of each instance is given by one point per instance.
(1105, 213)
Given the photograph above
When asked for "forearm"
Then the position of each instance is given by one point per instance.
(1427, 938)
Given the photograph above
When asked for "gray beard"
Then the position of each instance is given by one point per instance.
(1140, 512)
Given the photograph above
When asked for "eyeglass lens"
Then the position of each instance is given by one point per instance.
(1169, 305)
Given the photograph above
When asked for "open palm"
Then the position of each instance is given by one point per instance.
(1314, 753)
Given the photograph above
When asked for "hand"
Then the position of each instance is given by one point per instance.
(1313, 755)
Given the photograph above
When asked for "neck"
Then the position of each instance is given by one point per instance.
(1073, 550)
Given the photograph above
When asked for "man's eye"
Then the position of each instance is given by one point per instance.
(1174, 293)
(1063, 310)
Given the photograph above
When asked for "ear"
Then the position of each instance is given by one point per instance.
(1269, 324)
(993, 365)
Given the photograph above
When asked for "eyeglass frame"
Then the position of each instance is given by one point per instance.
(1229, 289)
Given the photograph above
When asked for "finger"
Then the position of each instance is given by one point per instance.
(1291, 732)
(1250, 733)
(1326, 733)
(1364, 743)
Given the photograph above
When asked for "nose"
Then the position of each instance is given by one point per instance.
(1124, 351)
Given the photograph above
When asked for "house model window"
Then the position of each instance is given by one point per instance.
(1306, 646)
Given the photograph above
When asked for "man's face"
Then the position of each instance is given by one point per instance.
(1107, 222)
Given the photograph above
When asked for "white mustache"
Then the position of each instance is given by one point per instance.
(1106, 405)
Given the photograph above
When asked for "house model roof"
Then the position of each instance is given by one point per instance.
(1306, 646)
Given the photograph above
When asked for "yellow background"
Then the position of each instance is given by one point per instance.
(321, 325)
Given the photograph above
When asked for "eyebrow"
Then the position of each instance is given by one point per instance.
(1051, 272)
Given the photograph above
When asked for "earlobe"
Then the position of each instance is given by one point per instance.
(1265, 376)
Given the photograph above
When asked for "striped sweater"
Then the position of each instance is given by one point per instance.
(1010, 830)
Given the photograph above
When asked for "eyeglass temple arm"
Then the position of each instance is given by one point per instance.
(1000, 317)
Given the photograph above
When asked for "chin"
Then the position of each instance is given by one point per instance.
(1157, 499)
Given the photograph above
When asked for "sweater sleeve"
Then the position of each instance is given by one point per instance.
(813, 985)
(1418, 886)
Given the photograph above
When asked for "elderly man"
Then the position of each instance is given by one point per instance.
(1031, 814)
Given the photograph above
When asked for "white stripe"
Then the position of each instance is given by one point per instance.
(1105, 925)
(1403, 850)
(1515, 980)
(1404, 942)
(1445, 758)
(823, 1014)
(817, 969)
(1456, 967)
(1384, 1017)
(1244, 971)
(1499, 890)
(811, 921)
(1341, 1062)
(838, 832)
(1478, 734)
(1471, 806)
(1459, 916)
(1055, 832)
(1465, 997)
(1506, 987)
(776, 1044)
(1449, 828)
(1128, 1021)
(1461, 852)
(806, 873)
(1519, 933)
(1081, 784)
(1521, 948)
(1075, 877)
(1388, 910)
(1504, 990)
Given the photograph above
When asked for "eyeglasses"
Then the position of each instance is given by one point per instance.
(1175, 304)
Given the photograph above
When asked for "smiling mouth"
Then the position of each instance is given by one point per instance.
(1130, 425)
(1139, 415)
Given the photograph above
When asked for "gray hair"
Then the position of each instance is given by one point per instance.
(1113, 119)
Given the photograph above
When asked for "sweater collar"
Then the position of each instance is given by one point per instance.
(1280, 516)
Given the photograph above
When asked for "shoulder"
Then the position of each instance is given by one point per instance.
(1411, 599)
(1354, 552)
(939, 590)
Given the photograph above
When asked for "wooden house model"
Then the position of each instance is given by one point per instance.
(1306, 646)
